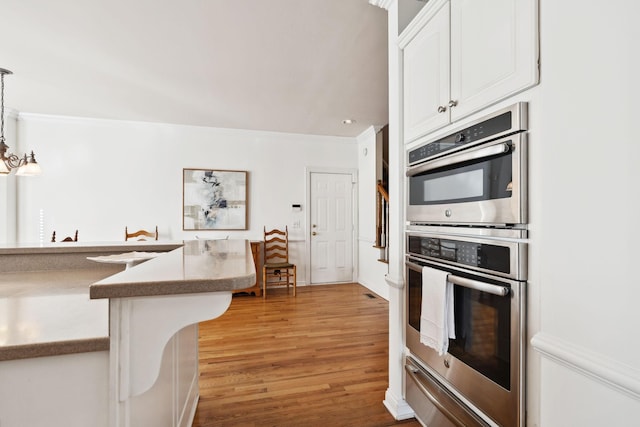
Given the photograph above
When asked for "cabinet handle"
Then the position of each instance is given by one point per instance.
(314, 233)
(442, 109)
(452, 103)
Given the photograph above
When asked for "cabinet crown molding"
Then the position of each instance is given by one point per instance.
(384, 4)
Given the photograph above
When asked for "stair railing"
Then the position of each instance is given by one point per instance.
(382, 221)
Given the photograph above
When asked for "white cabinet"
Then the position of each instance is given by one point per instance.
(426, 74)
(460, 56)
(70, 390)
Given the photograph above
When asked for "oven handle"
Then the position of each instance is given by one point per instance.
(501, 291)
(465, 156)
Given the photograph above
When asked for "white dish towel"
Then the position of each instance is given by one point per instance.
(437, 321)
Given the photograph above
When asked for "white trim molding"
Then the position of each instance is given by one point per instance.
(613, 374)
(11, 113)
(397, 406)
(384, 4)
(369, 132)
(394, 282)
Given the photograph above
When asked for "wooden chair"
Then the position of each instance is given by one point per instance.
(276, 265)
(142, 234)
(66, 239)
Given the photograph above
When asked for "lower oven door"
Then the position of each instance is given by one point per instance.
(485, 362)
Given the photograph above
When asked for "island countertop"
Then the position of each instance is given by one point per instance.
(53, 306)
(48, 313)
(89, 247)
(198, 266)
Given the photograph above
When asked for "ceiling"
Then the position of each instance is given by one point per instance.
(299, 66)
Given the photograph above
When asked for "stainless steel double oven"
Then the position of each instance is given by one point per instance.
(467, 217)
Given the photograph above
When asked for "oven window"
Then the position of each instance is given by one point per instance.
(483, 333)
(465, 185)
(487, 179)
(414, 302)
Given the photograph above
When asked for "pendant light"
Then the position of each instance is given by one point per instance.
(27, 165)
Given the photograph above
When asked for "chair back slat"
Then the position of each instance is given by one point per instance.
(276, 245)
(276, 240)
(275, 248)
(141, 234)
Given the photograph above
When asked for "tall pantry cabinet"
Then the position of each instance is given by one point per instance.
(459, 56)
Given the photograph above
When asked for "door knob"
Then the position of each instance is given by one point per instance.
(452, 103)
(442, 109)
(314, 233)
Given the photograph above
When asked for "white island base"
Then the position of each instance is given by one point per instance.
(154, 370)
(66, 390)
(154, 357)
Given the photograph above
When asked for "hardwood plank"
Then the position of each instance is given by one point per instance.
(318, 359)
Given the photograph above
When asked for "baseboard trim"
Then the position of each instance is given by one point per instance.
(398, 407)
(613, 374)
(192, 411)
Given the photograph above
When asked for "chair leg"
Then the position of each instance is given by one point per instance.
(264, 283)
(295, 281)
(287, 280)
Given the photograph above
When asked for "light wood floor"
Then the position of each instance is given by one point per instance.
(319, 359)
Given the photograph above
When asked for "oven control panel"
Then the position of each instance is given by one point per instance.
(481, 255)
(492, 127)
(506, 121)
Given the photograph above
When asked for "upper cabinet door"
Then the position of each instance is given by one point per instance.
(494, 52)
(426, 76)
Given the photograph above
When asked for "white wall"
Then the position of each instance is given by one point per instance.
(102, 175)
(371, 272)
(587, 239)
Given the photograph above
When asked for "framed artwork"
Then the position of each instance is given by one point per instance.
(214, 199)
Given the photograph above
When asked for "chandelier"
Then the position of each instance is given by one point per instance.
(26, 165)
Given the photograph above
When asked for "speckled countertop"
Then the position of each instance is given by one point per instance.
(66, 247)
(46, 313)
(50, 312)
(198, 266)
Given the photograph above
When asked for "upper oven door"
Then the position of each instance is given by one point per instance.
(484, 185)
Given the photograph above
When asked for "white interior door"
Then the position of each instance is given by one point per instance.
(331, 227)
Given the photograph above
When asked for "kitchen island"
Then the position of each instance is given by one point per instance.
(85, 343)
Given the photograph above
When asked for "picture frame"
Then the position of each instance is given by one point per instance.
(214, 199)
